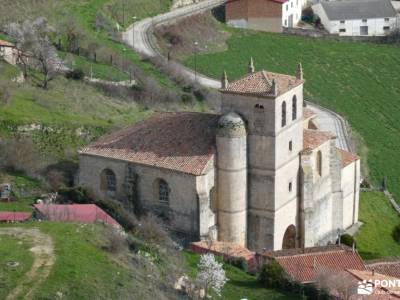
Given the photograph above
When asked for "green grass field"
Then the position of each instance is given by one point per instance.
(66, 107)
(241, 285)
(358, 80)
(374, 239)
(82, 270)
(13, 249)
(94, 69)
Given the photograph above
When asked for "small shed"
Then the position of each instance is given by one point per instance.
(12, 217)
(80, 213)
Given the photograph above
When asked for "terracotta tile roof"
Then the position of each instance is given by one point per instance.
(230, 249)
(379, 291)
(303, 265)
(308, 113)
(386, 267)
(260, 84)
(347, 157)
(315, 138)
(227, 251)
(6, 44)
(182, 142)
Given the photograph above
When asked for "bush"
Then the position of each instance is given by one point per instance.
(396, 233)
(152, 230)
(272, 275)
(186, 98)
(21, 154)
(76, 74)
(78, 195)
(347, 240)
(116, 241)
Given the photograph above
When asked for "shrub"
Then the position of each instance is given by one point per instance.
(272, 275)
(76, 74)
(151, 229)
(21, 154)
(55, 180)
(186, 98)
(396, 233)
(347, 240)
(78, 195)
(116, 241)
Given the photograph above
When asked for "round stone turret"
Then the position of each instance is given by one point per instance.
(231, 125)
(232, 179)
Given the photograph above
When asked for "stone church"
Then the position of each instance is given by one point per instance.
(260, 174)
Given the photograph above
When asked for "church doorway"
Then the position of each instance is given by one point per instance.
(289, 239)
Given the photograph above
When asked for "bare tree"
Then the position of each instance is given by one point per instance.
(32, 40)
(73, 34)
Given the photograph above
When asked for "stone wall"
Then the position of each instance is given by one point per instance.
(189, 196)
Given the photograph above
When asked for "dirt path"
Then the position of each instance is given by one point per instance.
(44, 258)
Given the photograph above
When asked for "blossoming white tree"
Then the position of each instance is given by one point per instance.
(211, 275)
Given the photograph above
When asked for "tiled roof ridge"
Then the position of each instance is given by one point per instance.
(265, 74)
(307, 250)
(316, 253)
(383, 261)
(321, 131)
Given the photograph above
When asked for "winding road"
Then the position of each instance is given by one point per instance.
(140, 36)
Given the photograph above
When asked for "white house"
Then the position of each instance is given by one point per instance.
(357, 17)
(8, 52)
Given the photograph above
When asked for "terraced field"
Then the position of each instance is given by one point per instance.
(358, 80)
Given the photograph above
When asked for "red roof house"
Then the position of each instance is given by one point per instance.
(81, 213)
(304, 264)
(265, 15)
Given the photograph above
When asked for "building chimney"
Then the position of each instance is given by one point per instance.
(354, 247)
(274, 88)
(251, 66)
(373, 272)
(224, 81)
(299, 74)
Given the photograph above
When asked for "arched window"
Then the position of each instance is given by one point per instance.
(294, 108)
(289, 238)
(283, 113)
(163, 191)
(319, 163)
(108, 182)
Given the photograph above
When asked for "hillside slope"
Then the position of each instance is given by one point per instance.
(357, 80)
